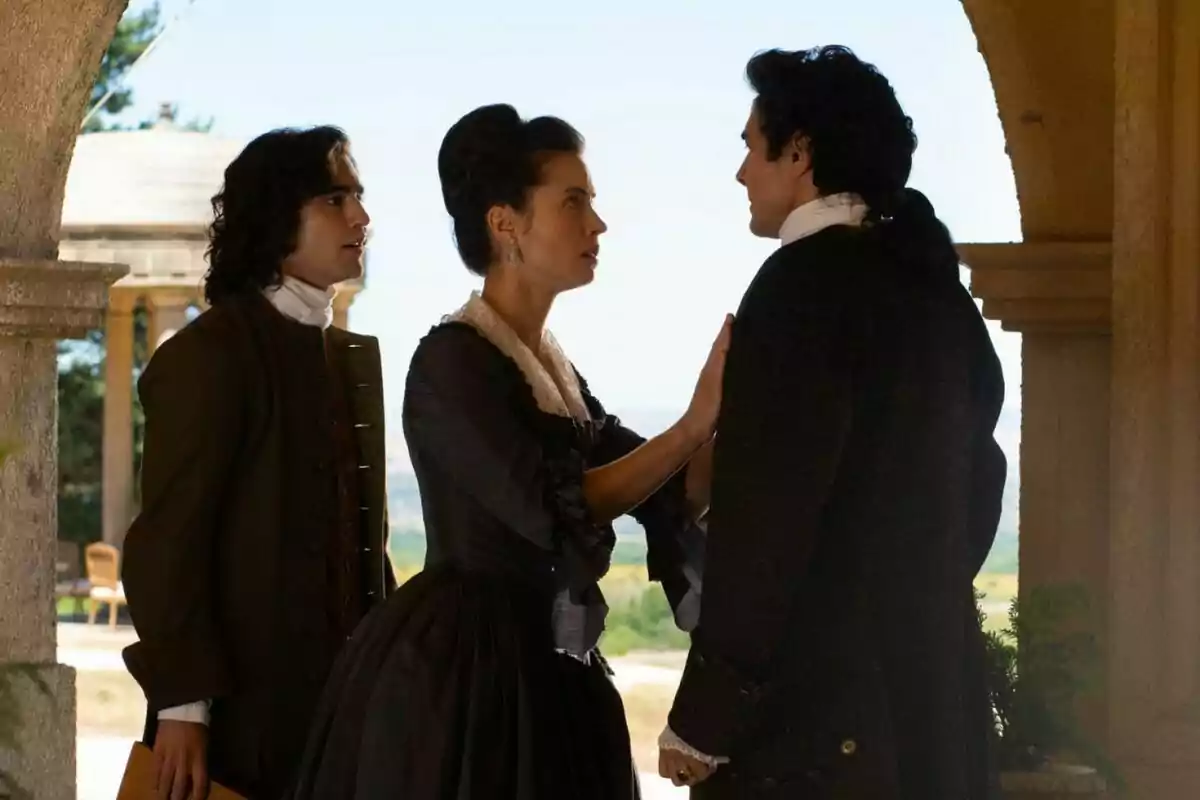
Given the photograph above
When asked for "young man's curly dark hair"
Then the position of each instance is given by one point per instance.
(257, 211)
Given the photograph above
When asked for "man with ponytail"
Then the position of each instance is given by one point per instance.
(857, 481)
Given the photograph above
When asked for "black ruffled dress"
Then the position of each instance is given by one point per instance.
(479, 678)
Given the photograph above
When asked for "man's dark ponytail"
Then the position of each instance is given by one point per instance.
(859, 140)
(912, 235)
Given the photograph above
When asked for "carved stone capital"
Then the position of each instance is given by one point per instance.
(169, 299)
(1043, 286)
(54, 299)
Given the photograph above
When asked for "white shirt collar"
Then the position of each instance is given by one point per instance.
(302, 302)
(844, 208)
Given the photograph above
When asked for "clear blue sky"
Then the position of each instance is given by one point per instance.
(657, 89)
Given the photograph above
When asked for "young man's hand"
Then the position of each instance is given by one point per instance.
(181, 753)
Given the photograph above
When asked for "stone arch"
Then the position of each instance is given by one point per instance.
(52, 53)
(1051, 66)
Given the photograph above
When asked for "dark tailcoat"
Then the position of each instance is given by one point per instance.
(857, 490)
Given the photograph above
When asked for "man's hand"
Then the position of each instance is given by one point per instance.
(680, 769)
(181, 752)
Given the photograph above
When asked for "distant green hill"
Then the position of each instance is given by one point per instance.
(408, 533)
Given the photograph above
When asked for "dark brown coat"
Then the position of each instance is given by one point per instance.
(856, 492)
(228, 566)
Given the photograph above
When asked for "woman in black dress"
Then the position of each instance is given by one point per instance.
(480, 677)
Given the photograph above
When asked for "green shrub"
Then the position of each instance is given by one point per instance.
(644, 623)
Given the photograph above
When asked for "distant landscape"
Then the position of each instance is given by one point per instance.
(408, 535)
(640, 618)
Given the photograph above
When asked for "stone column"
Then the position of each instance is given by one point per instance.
(341, 306)
(1057, 295)
(1154, 550)
(52, 52)
(167, 313)
(118, 416)
(40, 302)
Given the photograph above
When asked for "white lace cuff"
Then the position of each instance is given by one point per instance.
(191, 712)
(687, 613)
(667, 740)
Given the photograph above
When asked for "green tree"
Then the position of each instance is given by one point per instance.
(81, 364)
(81, 430)
(134, 34)
(80, 433)
(644, 623)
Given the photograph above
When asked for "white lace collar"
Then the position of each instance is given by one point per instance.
(551, 377)
(844, 208)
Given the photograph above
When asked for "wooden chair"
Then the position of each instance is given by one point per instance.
(104, 574)
(68, 576)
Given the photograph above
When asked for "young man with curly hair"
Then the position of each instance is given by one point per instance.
(261, 541)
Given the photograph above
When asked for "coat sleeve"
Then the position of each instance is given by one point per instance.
(990, 469)
(785, 414)
(389, 569)
(192, 399)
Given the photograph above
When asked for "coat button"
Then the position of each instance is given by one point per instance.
(849, 747)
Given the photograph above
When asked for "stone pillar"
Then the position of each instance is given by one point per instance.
(40, 302)
(341, 306)
(167, 313)
(1057, 295)
(52, 52)
(1154, 550)
(118, 416)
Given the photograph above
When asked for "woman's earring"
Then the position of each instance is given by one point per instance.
(512, 254)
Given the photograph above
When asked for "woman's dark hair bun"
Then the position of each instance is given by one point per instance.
(490, 157)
